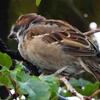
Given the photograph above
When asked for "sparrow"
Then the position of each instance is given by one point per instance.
(54, 44)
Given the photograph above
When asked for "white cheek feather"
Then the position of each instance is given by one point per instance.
(19, 37)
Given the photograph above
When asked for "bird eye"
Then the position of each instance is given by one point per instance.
(34, 22)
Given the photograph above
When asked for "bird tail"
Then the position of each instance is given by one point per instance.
(91, 65)
(95, 69)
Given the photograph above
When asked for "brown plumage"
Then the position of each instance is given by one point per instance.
(54, 44)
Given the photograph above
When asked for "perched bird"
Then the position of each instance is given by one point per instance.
(54, 44)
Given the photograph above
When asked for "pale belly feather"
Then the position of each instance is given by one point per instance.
(48, 56)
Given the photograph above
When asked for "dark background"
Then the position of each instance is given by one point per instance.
(72, 11)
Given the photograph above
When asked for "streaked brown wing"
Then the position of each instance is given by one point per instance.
(61, 33)
(93, 65)
(71, 42)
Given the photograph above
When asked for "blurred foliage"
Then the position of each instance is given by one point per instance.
(5, 60)
(38, 2)
(38, 87)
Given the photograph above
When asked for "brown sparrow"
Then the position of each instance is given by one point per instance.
(54, 44)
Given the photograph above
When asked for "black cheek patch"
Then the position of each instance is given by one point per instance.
(16, 28)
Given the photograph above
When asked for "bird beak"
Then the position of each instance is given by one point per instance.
(12, 35)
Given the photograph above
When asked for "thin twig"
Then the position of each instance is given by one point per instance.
(95, 93)
(71, 89)
(91, 32)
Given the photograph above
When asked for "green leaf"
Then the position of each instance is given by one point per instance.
(22, 76)
(79, 83)
(83, 82)
(19, 74)
(53, 82)
(4, 77)
(91, 88)
(84, 87)
(5, 60)
(38, 2)
(4, 80)
(74, 82)
(35, 88)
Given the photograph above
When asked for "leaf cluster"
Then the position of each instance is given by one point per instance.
(43, 87)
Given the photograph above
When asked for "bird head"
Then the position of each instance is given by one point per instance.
(23, 23)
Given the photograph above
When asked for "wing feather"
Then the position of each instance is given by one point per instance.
(71, 40)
